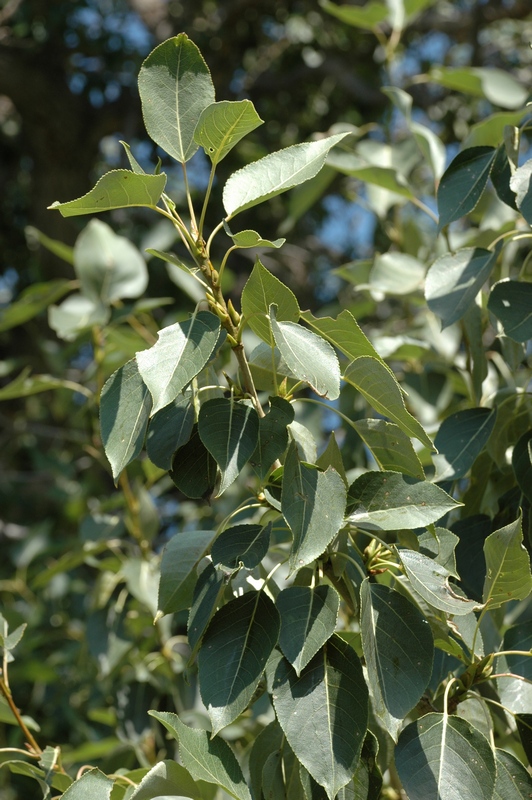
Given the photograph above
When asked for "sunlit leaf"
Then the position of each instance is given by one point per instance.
(431, 581)
(246, 239)
(222, 125)
(344, 333)
(119, 188)
(511, 302)
(463, 182)
(496, 85)
(178, 568)
(513, 780)
(260, 291)
(167, 779)
(520, 183)
(244, 544)
(391, 448)
(93, 785)
(507, 566)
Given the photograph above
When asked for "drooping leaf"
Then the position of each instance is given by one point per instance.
(390, 446)
(275, 173)
(496, 85)
(169, 429)
(513, 782)
(313, 504)
(454, 280)
(178, 569)
(309, 357)
(522, 464)
(378, 385)
(193, 468)
(93, 785)
(463, 182)
(233, 655)
(324, 713)
(308, 620)
(390, 501)
(119, 188)
(441, 757)
(246, 239)
(175, 86)
(520, 184)
(261, 290)
(58, 248)
(431, 581)
(460, 439)
(207, 593)
(181, 351)
(26, 384)
(167, 779)
(273, 436)
(511, 302)
(344, 333)
(244, 544)
(398, 648)
(229, 430)
(222, 125)
(125, 407)
(515, 694)
(507, 566)
(206, 759)
(32, 301)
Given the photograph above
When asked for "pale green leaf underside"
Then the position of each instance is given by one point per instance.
(431, 581)
(260, 291)
(167, 779)
(119, 188)
(275, 173)
(344, 333)
(222, 125)
(93, 785)
(391, 447)
(507, 566)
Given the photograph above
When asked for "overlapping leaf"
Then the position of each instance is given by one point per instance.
(273, 436)
(431, 582)
(520, 183)
(344, 333)
(460, 439)
(507, 566)
(244, 544)
(308, 620)
(178, 569)
(194, 470)
(463, 182)
(169, 429)
(392, 449)
(261, 290)
(511, 302)
(513, 781)
(169, 779)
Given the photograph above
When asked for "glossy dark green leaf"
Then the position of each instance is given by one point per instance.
(260, 291)
(206, 597)
(515, 694)
(390, 446)
(324, 713)
(511, 302)
(390, 501)
(241, 544)
(178, 569)
(398, 648)
(460, 439)
(222, 125)
(169, 429)
(182, 350)
(520, 184)
(463, 182)
(233, 655)
(169, 779)
(210, 760)
(309, 357)
(454, 280)
(119, 188)
(501, 175)
(229, 430)
(470, 561)
(273, 776)
(175, 86)
(32, 301)
(194, 470)
(273, 436)
(308, 620)
(431, 581)
(507, 566)
(513, 781)
(313, 504)
(442, 757)
(522, 464)
(125, 407)
(268, 741)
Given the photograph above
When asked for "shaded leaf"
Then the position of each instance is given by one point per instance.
(207, 594)
(522, 464)
(241, 544)
(511, 302)
(463, 182)
(181, 351)
(324, 713)
(93, 785)
(206, 759)
(308, 620)
(125, 407)
(367, 17)
(222, 125)
(332, 457)
(396, 273)
(521, 185)
(507, 566)
(513, 782)
(431, 581)
(169, 429)
(515, 694)
(442, 757)
(175, 86)
(194, 470)
(460, 439)
(391, 448)
(229, 430)
(119, 188)
(233, 655)
(32, 301)
(273, 436)
(268, 741)
(262, 289)
(26, 384)
(275, 173)
(496, 85)
(178, 569)
(169, 779)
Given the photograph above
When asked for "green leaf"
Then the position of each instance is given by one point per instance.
(313, 505)
(460, 439)
(308, 356)
(169, 779)
(344, 333)
(93, 785)
(324, 713)
(119, 188)
(268, 741)
(507, 566)
(522, 464)
(513, 782)
(263, 289)
(357, 166)
(454, 280)
(229, 430)
(390, 446)
(169, 429)
(380, 388)
(396, 273)
(76, 314)
(175, 86)
(125, 407)
(275, 173)
(431, 581)
(367, 17)
(59, 249)
(241, 544)
(133, 163)
(207, 594)
(441, 757)
(511, 302)
(463, 182)
(332, 457)
(496, 85)
(308, 620)
(178, 569)
(25, 385)
(515, 694)
(206, 759)
(180, 353)
(233, 655)
(398, 648)
(193, 468)
(273, 436)
(245, 239)
(222, 125)
(32, 301)
(520, 185)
